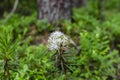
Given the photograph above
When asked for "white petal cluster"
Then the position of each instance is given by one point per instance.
(57, 40)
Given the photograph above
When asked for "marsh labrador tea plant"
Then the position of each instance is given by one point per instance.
(59, 42)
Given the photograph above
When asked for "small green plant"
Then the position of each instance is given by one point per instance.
(8, 52)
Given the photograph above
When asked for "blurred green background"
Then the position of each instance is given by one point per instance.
(23, 38)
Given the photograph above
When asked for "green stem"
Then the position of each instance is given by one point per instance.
(6, 69)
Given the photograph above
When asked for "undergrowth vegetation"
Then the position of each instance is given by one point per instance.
(24, 54)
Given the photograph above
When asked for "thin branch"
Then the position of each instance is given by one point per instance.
(14, 9)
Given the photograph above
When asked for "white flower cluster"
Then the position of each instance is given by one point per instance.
(57, 40)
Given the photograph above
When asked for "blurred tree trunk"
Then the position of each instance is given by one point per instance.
(54, 10)
(119, 5)
(79, 3)
(100, 10)
(57, 10)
